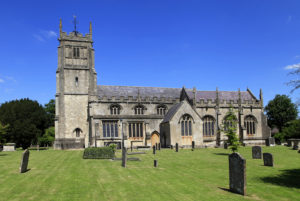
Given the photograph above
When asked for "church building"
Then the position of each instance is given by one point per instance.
(91, 115)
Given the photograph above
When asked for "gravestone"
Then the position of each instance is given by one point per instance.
(156, 146)
(268, 159)
(155, 163)
(131, 148)
(171, 146)
(154, 149)
(270, 141)
(237, 173)
(9, 147)
(225, 145)
(124, 156)
(193, 145)
(159, 146)
(289, 143)
(256, 152)
(24, 161)
(295, 146)
(176, 147)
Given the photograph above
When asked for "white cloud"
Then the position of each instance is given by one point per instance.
(293, 66)
(49, 34)
(1, 81)
(43, 35)
(38, 37)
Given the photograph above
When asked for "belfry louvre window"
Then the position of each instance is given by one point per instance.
(139, 110)
(115, 109)
(161, 110)
(250, 124)
(186, 125)
(135, 130)
(110, 129)
(76, 52)
(208, 126)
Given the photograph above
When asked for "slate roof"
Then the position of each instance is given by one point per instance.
(173, 93)
(171, 112)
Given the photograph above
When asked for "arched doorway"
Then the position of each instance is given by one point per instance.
(154, 138)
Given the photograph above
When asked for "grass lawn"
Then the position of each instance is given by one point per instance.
(187, 175)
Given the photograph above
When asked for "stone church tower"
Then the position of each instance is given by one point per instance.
(76, 85)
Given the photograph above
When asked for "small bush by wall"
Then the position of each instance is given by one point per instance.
(98, 153)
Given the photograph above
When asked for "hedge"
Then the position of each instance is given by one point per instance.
(99, 153)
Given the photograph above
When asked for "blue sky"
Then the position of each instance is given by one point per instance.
(207, 44)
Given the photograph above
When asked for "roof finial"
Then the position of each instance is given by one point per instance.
(60, 26)
(90, 28)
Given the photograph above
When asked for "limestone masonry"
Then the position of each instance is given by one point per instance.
(88, 115)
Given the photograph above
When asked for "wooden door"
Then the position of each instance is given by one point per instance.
(154, 139)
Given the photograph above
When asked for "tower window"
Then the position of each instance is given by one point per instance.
(77, 132)
(76, 52)
(76, 81)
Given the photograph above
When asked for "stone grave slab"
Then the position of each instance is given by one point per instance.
(237, 173)
(268, 159)
(256, 152)
(24, 161)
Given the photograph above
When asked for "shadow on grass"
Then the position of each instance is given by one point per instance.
(288, 178)
(228, 190)
(3, 154)
(221, 154)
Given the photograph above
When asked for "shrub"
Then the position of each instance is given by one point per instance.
(99, 153)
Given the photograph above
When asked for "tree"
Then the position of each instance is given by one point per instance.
(3, 132)
(50, 110)
(280, 111)
(48, 137)
(229, 127)
(27, 120)
(295, 83)
(291, 130)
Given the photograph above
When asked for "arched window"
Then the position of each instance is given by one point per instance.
(77, 132)
(229, 122)
(76, 81)
(186, 125)
(208, 126)
(139, 109)
(250, 125)
(110, 129)
(161, 110)
(115, 109)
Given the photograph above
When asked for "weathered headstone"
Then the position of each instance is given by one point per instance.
(9, 147)
(176, 147)
(225, 145)
(270, 141)
(256, 152)
(24, 161)
(193, 145)
(154, 150)
(289, 143)
(237, 173)
(268, 159)
(156, 146)
(131, 148)
(124, 156)
(155, 163)
(159, 146)
(171, 146)
(295, 146)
